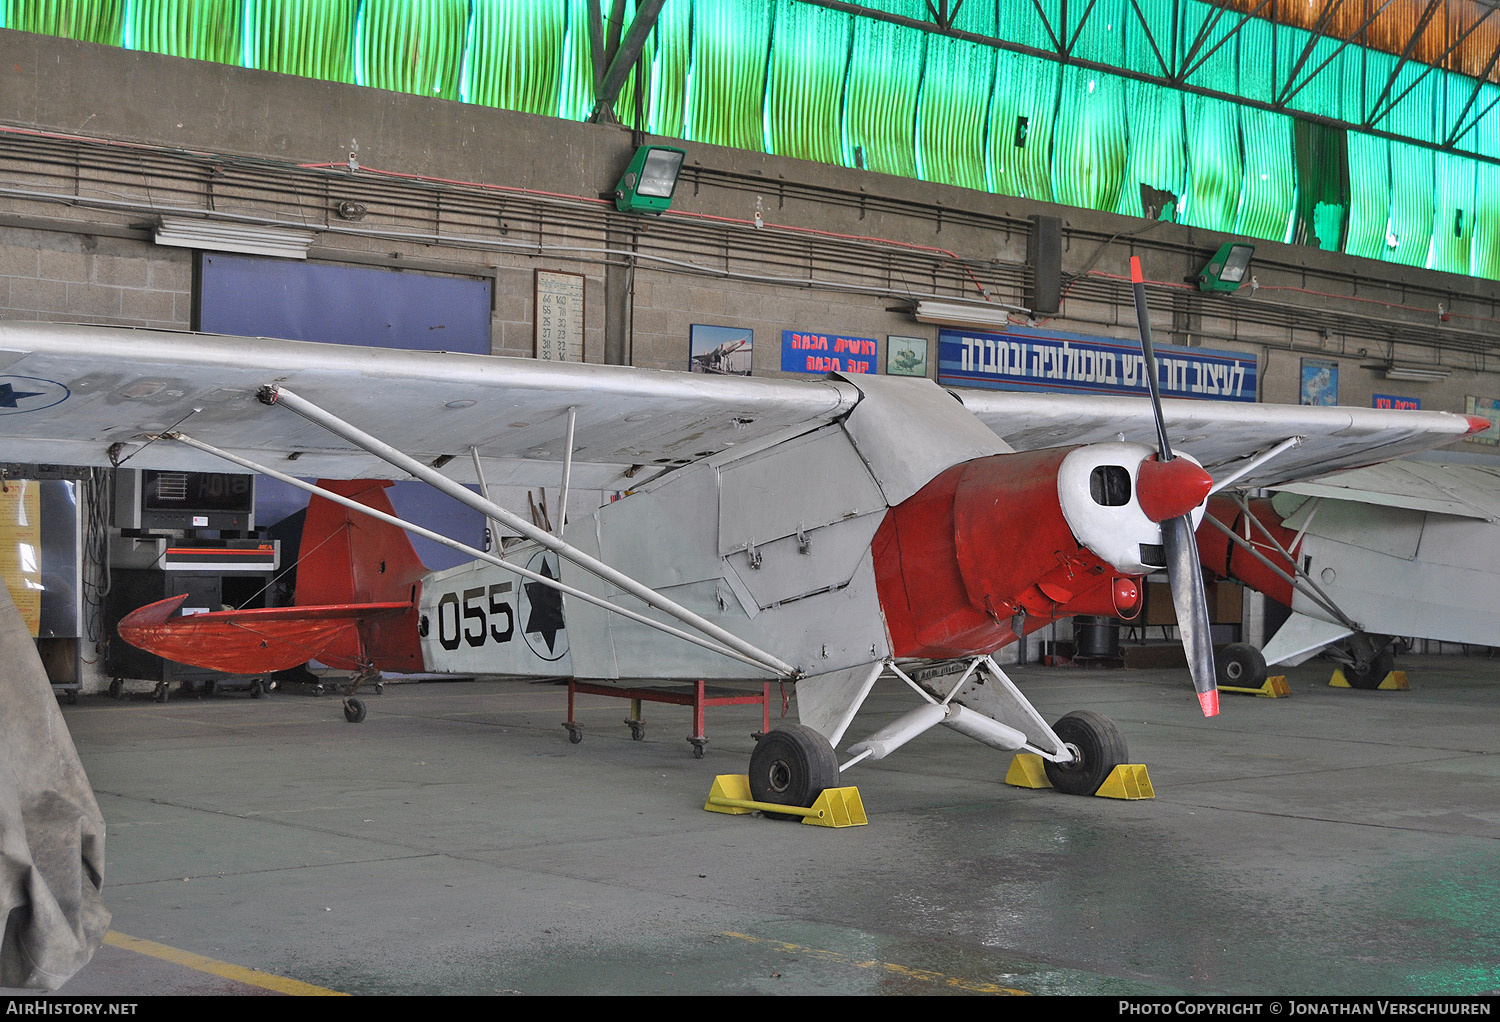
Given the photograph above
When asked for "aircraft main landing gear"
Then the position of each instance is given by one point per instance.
(1098, 747)
(791, 766)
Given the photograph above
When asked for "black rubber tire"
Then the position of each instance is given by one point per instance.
(791, 766)
(256, 689)
(1100, 747)
(116, 687)
(354, 710)
(1380, 665)
(1240, 665)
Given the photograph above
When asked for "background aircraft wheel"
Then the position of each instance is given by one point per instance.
(791, 766)
(115, 687)
(1241, 665)
(256, 689)
(354, 710)
(1099, 747)
(160, 695)
(1374, 672)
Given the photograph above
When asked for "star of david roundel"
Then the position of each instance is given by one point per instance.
(540, 610)
(20, 394)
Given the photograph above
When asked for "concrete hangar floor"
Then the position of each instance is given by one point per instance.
(1337, 842)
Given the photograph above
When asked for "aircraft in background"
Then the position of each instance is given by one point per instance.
(1364, 558)
(823, 532)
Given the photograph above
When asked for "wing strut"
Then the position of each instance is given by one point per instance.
(337, 426)
(463, 548)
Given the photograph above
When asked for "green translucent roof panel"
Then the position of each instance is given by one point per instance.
(1089, 141)
(952, 112)
(805, 82)
(1215, 165)
(727, 87)
(880, 104)
(313, 39)
(514, 57)
(1023, 106)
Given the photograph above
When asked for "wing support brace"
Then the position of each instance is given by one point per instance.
(1022, 727)
(481, 555)
(1256, 462)
(1300, 581)
(280, 396)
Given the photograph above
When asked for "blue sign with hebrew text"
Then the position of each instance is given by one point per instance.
(1025, 358)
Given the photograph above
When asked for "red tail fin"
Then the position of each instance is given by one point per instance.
(357, 586)
(348, 557)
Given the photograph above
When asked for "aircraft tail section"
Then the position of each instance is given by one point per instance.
(356, 605)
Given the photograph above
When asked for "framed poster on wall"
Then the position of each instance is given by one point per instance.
(559, 316)
(1320, 382)
(905, 356)
(721, 350)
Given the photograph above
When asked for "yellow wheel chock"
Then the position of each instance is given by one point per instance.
(1275, 687)
(836, 807)
(1392, 682)
(1127, 781)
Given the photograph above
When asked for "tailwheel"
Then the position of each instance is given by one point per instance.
(1098, 747)
(354, 710)
(791, 766)
(1241, 665)
(1371, 672)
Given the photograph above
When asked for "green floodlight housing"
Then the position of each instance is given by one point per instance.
(1227, 270)
(648, 183)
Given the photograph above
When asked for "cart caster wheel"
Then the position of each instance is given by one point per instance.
(637, 730)
(380, 688)
(115, 688)
(575, 733)
(318, 689)
(256, 689)
(160, 695)
(698, 744)
(354, 710)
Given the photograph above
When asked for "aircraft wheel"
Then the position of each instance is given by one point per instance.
(256, 689)
(354, 710)
(791, 766)
(1374, 672)
(115, 688)
(160, 695)
(1098, 745)
(1241, 665)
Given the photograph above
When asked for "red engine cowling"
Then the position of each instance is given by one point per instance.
(983, 542)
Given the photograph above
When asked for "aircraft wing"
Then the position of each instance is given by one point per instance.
(1223, 435)
(68, 394)
(75, 395)
(1468, 491)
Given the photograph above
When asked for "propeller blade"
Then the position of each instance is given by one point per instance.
(1143, 323)
(1191, 604)
(1172, 488)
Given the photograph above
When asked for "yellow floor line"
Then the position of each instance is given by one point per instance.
(900, 970)
(239, 974)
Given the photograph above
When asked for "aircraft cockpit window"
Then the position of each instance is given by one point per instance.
(1109, 485)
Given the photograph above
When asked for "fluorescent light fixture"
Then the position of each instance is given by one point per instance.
(1412, 373)
(1227, 270)
(648, 183)
(977, 316)
(223, 236)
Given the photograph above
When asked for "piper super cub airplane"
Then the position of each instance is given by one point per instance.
(823, 532)
(1406, 548)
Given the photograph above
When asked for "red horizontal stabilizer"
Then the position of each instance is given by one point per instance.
(251, 641)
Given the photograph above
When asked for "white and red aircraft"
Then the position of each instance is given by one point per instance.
(1403, 549)
(825, 532)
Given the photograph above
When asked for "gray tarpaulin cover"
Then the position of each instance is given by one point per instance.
(51, 831)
